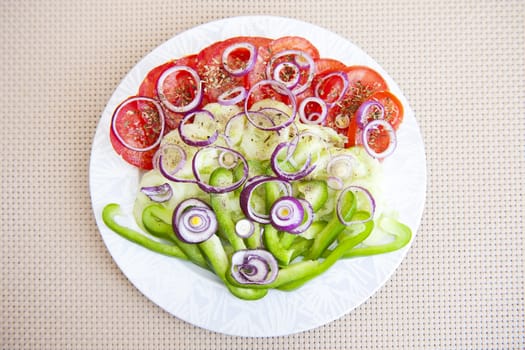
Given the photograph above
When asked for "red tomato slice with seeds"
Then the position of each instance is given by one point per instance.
(142, 160)
(148, 88)
(276, 46)
(393, 107)
(215, 79)
(293, 43)
(363, 82)
(139, 128)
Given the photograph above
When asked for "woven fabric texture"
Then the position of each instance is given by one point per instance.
(461, 65)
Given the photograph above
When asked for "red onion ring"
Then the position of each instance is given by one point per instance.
(345, 81)
(370, 199)
(196, 99)
(334, 162)
(160, 114)
(170, 175)
(256, 266)
(286, 213)
(305, 170)
(194, 221)
(309, 213)
(197, 143)
(391, 133)
(244, 228)
(216, 189)
(248, 190)
(362, 112)
(224, 162)
(232, 96)
(310, 65)
(250, 63)
(158, 194)
(280, 88)
(287, 65)
(342, 121)
(309, 119)
(334, 183)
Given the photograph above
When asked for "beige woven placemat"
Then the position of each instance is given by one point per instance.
(460, 63)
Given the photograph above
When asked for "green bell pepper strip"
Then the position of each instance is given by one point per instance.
(316, 193)
(287, 240)
(349, 240)
(402, 236)
(254, 241)
(271, 237)
(272, 243)
(109, 213)
(220, 263)
(219, 203)
(295, 275)
(299, 246)
(157, 221)
(334, 227)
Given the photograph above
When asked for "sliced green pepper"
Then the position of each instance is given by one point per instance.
(271, 237)
(112, 210)
(402, 236)
(157, 221)
(328, 235)
(219, 262)
(295, 275)
(219, 202)
(358, 234)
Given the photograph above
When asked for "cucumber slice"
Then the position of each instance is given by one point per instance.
(314, 191)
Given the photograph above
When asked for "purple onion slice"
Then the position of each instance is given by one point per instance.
(161, 193)
(255, 266)
(194, 221)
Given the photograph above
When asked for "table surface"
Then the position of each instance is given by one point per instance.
(461, 65)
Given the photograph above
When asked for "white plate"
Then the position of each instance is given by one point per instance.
(196, 296)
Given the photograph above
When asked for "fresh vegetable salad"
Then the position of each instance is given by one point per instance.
(262, 162)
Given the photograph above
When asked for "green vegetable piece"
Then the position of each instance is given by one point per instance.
(299, 246)
(314, 191)
(402, 236)
(271, 235)
(220, 263)
(254, 241)
(157, 221)
(112, 210)
(359, 233)
(328, 235)
(220, 205)
(314, 229)
(287, 240)
(295, 275)
(273, 244)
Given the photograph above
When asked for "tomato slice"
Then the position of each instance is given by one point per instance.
(276, 46)
(216, 80)
(325, 65)
(378, 139)
(363, 82)
(137, 123)
(393, 107)
(148, 87)
(293, 43)
(142, 160)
